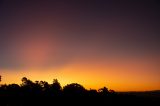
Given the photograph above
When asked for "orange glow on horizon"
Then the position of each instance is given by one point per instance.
(91, 77)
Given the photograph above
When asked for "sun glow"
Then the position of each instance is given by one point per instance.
(122, 80)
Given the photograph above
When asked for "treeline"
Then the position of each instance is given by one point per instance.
(38, 93)
(43, 88)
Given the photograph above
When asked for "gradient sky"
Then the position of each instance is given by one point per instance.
(94, 43)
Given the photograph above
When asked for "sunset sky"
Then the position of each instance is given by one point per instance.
(94, 43)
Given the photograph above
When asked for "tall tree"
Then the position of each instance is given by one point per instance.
(56, 87)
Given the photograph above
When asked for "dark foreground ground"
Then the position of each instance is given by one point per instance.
(119, 99)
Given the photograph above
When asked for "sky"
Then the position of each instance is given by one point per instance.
(92, 42)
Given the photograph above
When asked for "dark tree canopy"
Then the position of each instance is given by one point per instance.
(74, 89)
(42, 93)
(43, 88)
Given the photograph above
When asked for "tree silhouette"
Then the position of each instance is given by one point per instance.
(28, 87)
(92, 92)
(74, 89)
(41, 92)
(26, 82)
(46, 88)
(103, 91)
(56, 88)
(112, 91)
(13, 89)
